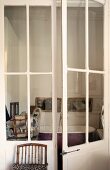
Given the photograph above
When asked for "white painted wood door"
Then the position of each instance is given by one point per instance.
(88, 155)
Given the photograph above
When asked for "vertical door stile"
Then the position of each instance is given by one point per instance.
(64, 71)
(106, 69)
(64, 60)
(2, 74)
(2, 89)
(54, 78)
(28, 70)
(87, 68)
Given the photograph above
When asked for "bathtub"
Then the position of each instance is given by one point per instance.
(76, 135)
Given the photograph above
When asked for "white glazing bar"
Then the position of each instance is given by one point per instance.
(76, 70)
(96, 71)
(77, 3)
(15, 73)
(25, 73)
(40, 2)
(40, 73)
(64, 60)
(31, 2)
(15, 3)
(87, 68)
(86, 36)
(54, 81)
(28, 68)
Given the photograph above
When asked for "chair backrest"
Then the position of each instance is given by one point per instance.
(31, 153)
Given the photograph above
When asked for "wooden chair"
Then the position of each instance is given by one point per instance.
(31, 156)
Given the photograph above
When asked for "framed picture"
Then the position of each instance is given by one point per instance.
(79, 104)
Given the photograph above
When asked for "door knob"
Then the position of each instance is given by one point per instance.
(64, 152)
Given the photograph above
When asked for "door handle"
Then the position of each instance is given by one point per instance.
(64, 152)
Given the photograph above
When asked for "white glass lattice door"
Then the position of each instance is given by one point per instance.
(84, 84)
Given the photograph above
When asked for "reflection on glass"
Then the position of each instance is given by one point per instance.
(15, 39)
(40, 39)
(76, 36)
(41, 107)
(96, 52)
(96, 115)
(76, 120)
(16, 107)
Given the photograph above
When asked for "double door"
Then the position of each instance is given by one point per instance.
(58, 51)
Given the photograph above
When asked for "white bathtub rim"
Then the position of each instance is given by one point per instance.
(71, 129)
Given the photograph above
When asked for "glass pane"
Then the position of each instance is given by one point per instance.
(40, 39)
(15, 39)
(96, 23)
(96, 113)
(16, 107)
(76, 35)
(76, 116)
(41, 107)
